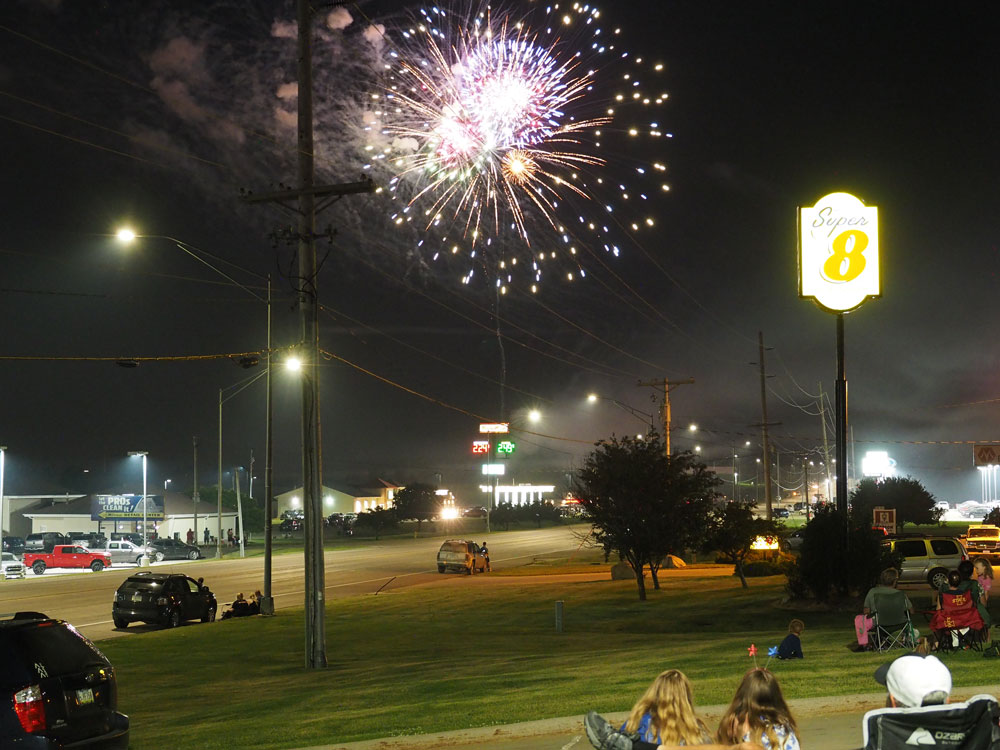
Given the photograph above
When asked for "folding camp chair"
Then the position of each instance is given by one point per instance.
(891, 625)
(958, 624)
(951, 726)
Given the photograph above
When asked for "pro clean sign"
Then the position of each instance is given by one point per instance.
(838, 252)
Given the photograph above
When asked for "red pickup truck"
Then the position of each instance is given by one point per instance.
(66, 556)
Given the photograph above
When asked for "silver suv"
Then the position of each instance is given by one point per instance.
(927, 559)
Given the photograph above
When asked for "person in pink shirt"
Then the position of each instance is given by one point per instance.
(984, 574)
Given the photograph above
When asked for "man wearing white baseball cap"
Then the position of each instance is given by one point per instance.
(914, 680)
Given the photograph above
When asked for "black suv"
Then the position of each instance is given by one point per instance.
(173, 549)
(58, 689)
(162, 598)
(13, 544)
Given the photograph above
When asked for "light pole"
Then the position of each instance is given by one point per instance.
(267, 603)
(144, 560)
(644, 417)
(3, 456)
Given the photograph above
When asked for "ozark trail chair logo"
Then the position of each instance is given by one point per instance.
(921, 736)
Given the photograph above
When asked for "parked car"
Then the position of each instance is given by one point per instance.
(793, 541)
(131, 536)
(781, 513)
(11, 566)
(162, 598)
(927, 558)
(66, 556)
(123, 551)
(45, 541)
(291, 524)
(461, 555)
(59, 689)
(173, 549)
(88, 539)
(475, 512)
(13, 544)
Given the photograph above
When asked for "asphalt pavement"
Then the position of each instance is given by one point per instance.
(827, 723)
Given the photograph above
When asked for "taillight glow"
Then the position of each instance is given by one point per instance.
(30, 708)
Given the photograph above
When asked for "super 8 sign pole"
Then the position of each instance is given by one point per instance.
(839, 270)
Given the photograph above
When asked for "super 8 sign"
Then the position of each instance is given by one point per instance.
(839, 252)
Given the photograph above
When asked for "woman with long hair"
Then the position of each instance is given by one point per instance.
(665, 713)
(759, 714)
(662, 719)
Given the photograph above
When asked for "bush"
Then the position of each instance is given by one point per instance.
(839, 557)
(759, 568)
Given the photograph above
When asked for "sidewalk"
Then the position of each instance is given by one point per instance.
(827, 723)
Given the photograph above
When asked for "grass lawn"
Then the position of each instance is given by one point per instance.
(475, 652)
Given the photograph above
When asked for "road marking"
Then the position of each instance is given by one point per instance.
(572, 742)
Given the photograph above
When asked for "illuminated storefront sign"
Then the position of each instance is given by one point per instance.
(480, 446)
(493, 469)
(494, 427)
(505, 447)
(838, 252)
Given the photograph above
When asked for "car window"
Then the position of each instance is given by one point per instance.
(132, 584)
(944, 547)
(911, 548)
(193, 585)
(48, 649)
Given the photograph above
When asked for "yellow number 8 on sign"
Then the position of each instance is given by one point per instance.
(847, 261)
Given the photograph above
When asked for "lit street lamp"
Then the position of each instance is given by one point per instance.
(645, 417)
(144, 560)
(126, 236)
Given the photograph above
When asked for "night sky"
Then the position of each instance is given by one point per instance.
(157, 113)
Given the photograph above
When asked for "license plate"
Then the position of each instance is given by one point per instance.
(84, 696)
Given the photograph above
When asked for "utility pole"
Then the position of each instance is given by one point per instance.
(805, 482)
(763, 424)
(667, 386)
(195, 496)
(826, 445)
(302, 202)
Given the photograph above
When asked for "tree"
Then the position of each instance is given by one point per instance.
(840, 555)
(378, 520)
(912, 502)
(644, 503)
(732, 529)
(417, 501)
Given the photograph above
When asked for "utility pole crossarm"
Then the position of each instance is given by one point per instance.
(289, 198)
(667, 385)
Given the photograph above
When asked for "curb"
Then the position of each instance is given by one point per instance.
(802, 707)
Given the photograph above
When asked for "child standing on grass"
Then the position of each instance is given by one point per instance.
(791, 647)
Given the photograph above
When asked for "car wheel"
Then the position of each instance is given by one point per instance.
(193, 555)
(120, 623)
(174, 620)
(938, 578)
(38, 567)
(97, 566)
(440, 568)
(210, 616)
(158, 557)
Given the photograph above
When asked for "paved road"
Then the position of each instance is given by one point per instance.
(84, 598)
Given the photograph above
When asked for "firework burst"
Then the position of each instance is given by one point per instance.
(488, 129)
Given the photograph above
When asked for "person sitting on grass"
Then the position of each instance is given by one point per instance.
(757, 718)
(759, 714)
(665, 713)
(791, 646)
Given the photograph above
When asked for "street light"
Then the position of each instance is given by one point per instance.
(144, 560)
(645, 417)
(127, 235)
